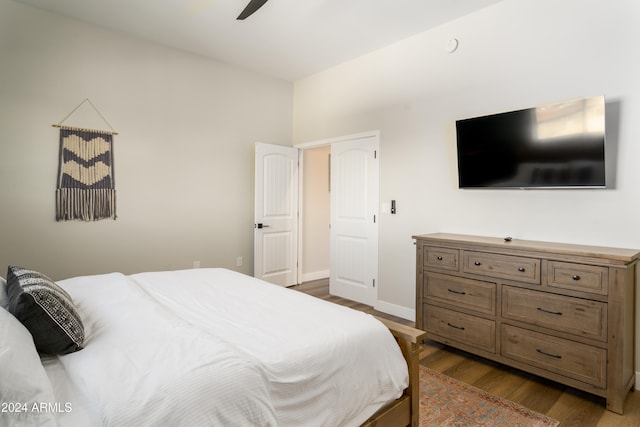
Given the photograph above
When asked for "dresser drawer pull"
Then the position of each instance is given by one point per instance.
(575, 277)
(555, 356)
(439, 258)
(557, 313)
(461, 328)
(477, 263)
(453, 291)
(521, 269)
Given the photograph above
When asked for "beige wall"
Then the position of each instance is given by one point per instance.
(517, 53)
(315, 213)
(183, 156)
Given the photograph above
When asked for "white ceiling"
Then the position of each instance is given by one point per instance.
(288, 39)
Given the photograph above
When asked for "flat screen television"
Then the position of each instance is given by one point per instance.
(560, 145)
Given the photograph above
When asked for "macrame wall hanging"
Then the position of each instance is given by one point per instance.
(86, 185)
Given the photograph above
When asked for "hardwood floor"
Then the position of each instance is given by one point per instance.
(569, 406)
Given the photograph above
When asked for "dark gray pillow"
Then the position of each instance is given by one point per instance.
(46, 310)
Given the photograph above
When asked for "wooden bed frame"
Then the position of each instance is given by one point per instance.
(405, 411)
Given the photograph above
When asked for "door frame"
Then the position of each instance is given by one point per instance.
(318, 143)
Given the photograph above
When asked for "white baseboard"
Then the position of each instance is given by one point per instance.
(397, 310)
(316, 275)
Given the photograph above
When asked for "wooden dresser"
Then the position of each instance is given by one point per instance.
(564, 312)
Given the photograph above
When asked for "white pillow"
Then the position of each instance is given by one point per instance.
(23, 380)
(4, 298)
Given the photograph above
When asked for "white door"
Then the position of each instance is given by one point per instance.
(354, 216)
(276, 214)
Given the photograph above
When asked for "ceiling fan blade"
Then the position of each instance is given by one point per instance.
(251, 8)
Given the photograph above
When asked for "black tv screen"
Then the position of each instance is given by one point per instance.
(553, 146)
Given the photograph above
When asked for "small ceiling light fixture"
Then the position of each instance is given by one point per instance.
(451, 45)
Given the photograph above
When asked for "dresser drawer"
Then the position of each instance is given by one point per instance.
(464, 293)
(470, 330)
(503, 266)
(574, 360)
(566, 314)
(447, 259)
(578, 277)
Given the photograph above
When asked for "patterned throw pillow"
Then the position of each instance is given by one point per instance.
(46, 310)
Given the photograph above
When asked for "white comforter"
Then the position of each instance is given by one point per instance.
(215, 347)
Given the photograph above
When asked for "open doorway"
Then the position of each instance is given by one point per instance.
(315, 217)
(350, 178)
(290, 245)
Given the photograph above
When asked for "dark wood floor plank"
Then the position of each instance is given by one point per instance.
(500, 382)
(469, 370)
(442, 361)
(576, 409)
(537, 394)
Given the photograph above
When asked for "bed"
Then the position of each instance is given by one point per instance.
(196, 347)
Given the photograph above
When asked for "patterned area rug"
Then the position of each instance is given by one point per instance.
(445, 401)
